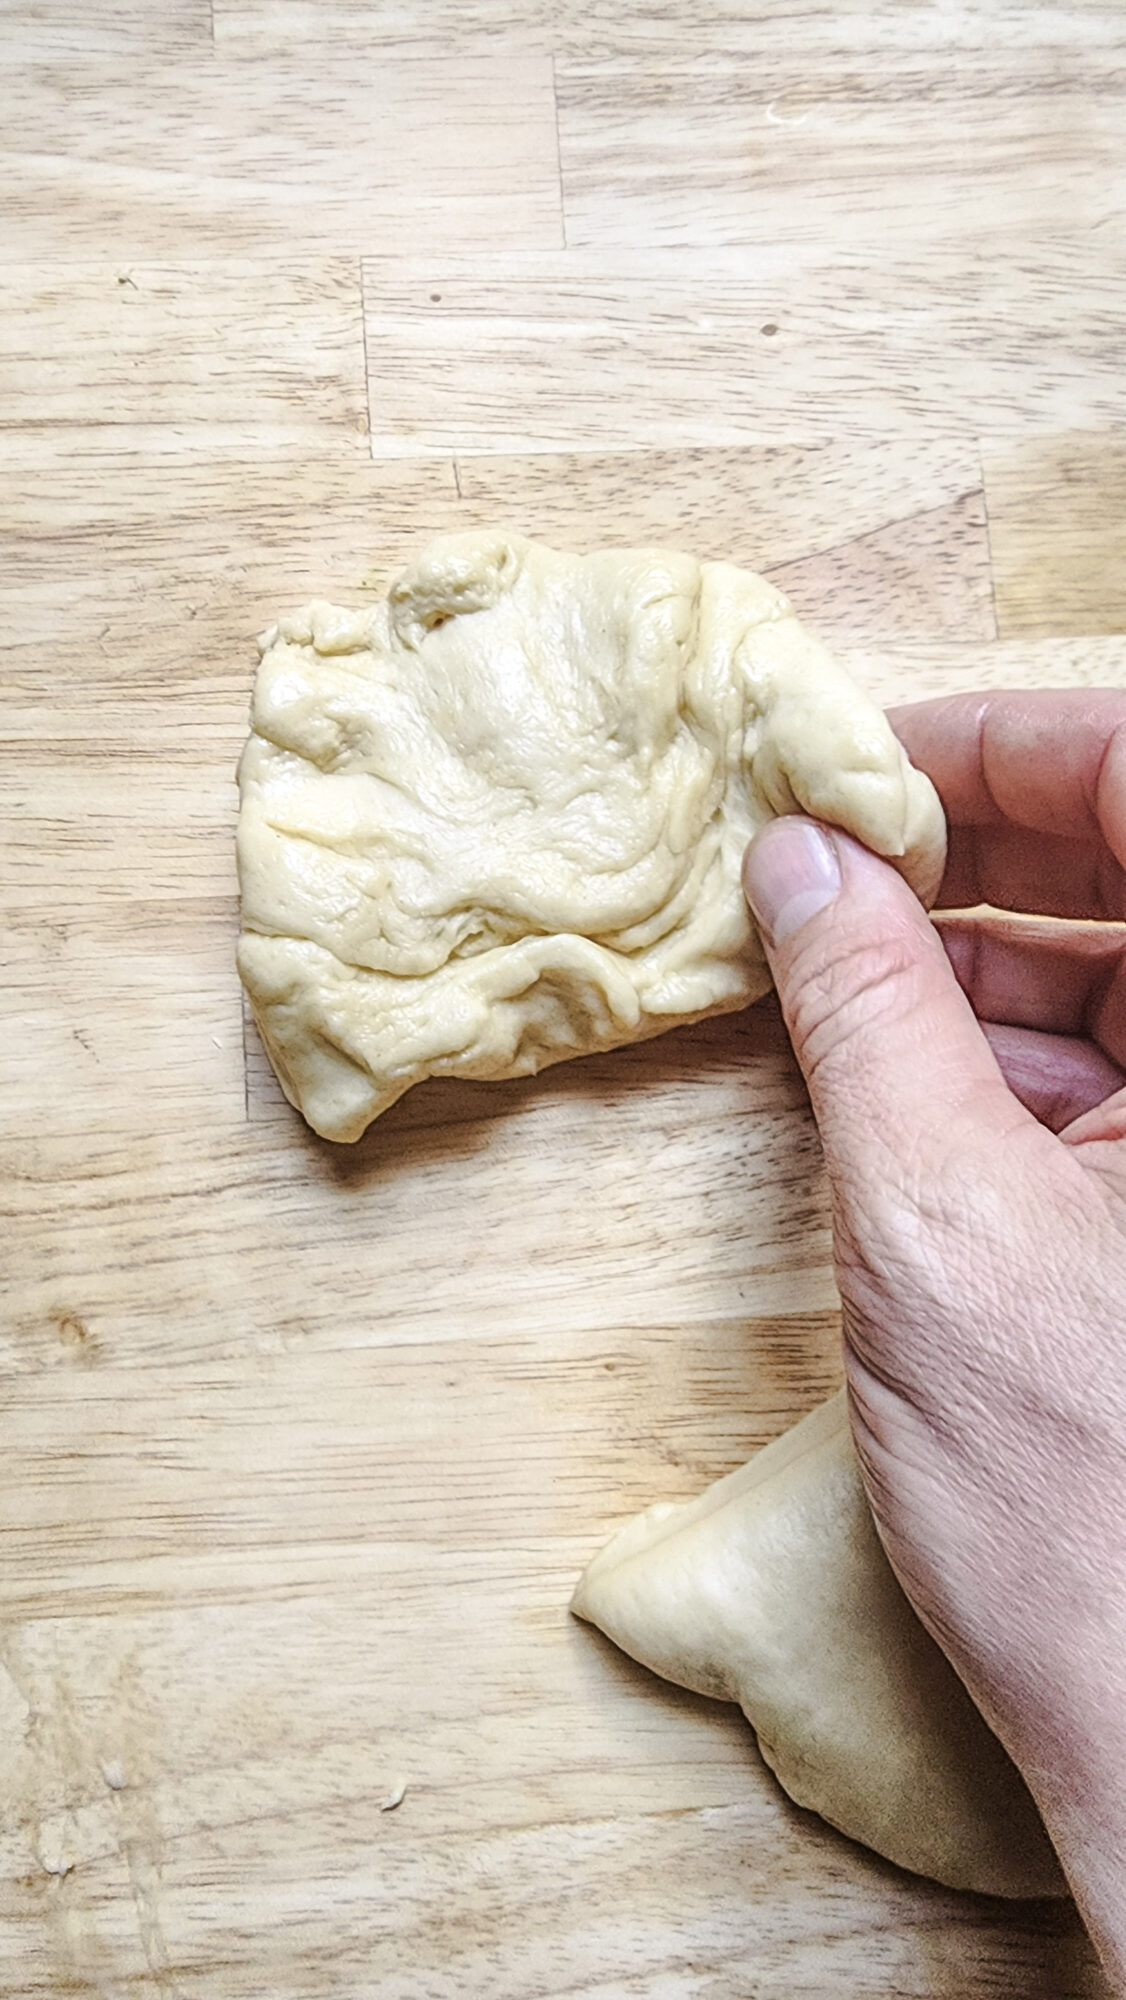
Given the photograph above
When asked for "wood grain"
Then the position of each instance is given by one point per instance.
(396, 28)
(926, 669)
(223, 359)
(1058, 529)
(84, 544)
(866, 539)
(677, 155)
(122, 28)
(228, 543)
(305, 1446)
(591, 350)
(886, 44)
(311, 157)
(551, 1820)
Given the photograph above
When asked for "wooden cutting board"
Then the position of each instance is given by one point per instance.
(304, 1447)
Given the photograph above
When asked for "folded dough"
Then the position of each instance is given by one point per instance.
(499, 819)
(771, 1589)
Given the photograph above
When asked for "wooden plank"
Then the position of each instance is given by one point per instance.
(241, 360)
(162, 574)
(868, 539)
(396, 28)
(121, 28)
(694, 1193)
(1057, 521)
(281, 1454)
(676, 156)
(591, 350)
(923, 574)
(884, 50)
(95, 817)
(880, 45)
(302, 158)
(71, 1070)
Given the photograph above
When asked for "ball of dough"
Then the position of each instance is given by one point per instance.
(498, 819)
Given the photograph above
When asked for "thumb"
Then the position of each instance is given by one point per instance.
(899, 1072)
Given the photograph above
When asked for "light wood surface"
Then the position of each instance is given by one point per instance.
(304, 1447)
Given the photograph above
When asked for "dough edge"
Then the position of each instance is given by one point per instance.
(966, 1819)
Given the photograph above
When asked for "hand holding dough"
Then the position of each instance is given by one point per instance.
(771, 1589)
(498, 820)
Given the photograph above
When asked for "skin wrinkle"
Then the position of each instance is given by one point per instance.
(1112, 885)
(926, 1193)
(983, 746)
(832, 988)
(998, 1525)
(1097, 1134)
(857, 1097)
(907, 1489)
(938, 1260)
(939, 1265)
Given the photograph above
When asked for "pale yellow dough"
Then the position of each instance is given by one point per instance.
(772, 1590)
(498, 819)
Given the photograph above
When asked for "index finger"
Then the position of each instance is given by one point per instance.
(1033, 783)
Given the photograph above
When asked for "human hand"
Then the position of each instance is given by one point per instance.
(968, 1081)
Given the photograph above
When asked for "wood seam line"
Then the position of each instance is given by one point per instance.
(558, 154)
(367, 368)
(881, 528)
(245, 1056)
(988, 539)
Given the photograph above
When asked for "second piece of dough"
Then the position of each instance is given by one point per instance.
(771, 1589)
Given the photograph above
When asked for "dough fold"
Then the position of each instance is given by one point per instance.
(498, 819)
(771, 1589)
